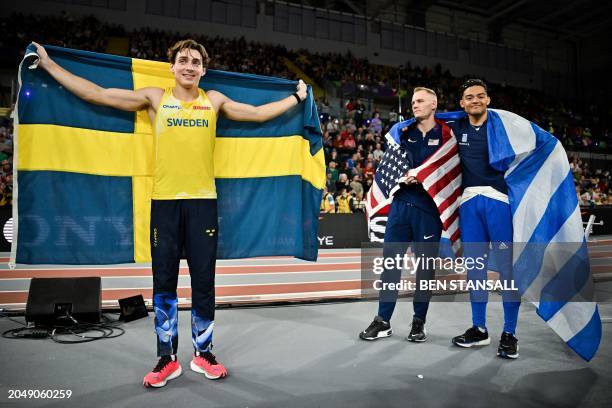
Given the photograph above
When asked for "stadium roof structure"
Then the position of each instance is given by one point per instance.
(568, 19)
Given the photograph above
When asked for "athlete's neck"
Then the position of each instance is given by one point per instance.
(477, 120)
(425, 125)
(185, 94)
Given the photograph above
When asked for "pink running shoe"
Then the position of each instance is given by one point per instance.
(168, 368)
(206, 363)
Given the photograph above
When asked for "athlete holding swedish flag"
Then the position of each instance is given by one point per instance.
(184, 199)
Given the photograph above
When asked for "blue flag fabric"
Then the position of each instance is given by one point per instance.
(551, 262)
(83, 176)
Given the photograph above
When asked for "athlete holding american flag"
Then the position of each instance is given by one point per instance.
(414, 216)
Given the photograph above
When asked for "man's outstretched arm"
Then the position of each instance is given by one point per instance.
(123, 99)
(248, 113)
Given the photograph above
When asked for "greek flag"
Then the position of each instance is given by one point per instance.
(551, 263)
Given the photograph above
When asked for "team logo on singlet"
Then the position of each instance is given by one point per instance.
(200, 107)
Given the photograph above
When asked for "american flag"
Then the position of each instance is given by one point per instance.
(440, 175)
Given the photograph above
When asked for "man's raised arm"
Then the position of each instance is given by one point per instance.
(123, 99)
(248, 113)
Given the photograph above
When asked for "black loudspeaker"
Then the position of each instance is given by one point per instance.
(51, 299)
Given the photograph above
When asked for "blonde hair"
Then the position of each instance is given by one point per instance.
(428, 90)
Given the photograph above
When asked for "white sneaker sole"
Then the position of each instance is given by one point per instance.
(484, 342)
(418, 340)
(381, 335)
(511, 356)
(198, 369)
(170, 377)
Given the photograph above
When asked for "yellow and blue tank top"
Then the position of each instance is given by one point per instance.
(184, 148)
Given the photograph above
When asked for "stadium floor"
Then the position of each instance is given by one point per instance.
(310, 356)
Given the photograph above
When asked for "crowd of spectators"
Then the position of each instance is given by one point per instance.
(587, 130)
(592, 186)
(237, 54)
(353, 136)
(550, 113)
(6, 162)
(354, 147)
(65, 30)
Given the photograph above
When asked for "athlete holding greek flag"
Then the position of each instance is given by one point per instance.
(485, 220)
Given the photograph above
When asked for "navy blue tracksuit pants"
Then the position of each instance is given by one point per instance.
(188, 226)
(407, 224)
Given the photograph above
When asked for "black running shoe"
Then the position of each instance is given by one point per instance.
(376, 330)
(472, 337)
(417, 333)
(508, 346)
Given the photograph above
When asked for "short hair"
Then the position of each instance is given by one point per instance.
(473, 82)
(428, 90)
(191, 45)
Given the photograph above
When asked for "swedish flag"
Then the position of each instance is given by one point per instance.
(84, 172)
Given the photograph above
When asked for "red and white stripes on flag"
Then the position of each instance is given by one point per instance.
(440, 175)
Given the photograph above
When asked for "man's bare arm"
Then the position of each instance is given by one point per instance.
(123, 99)
(248, 113)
